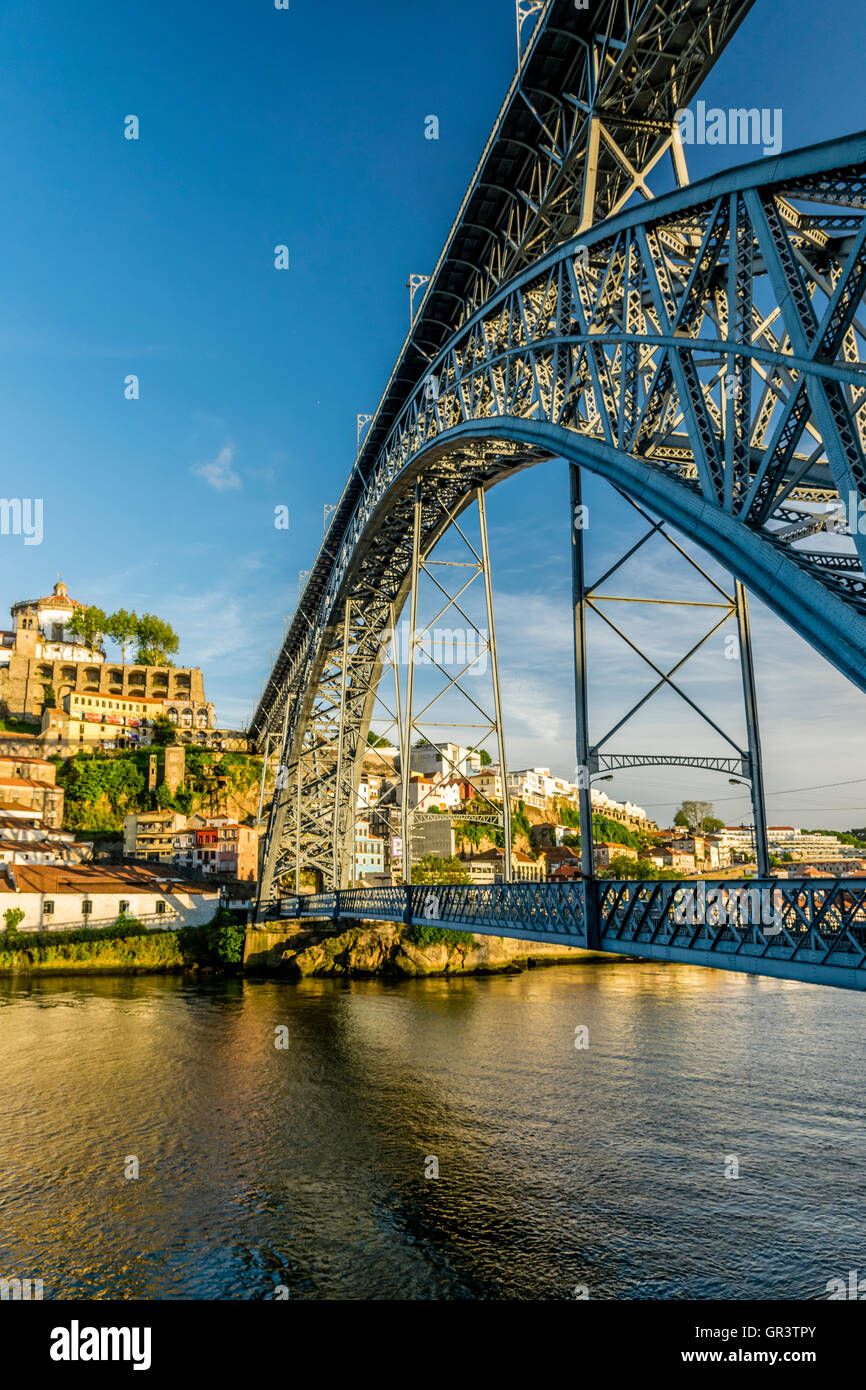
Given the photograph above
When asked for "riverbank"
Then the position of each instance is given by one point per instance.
(127, 948)
(363, 950)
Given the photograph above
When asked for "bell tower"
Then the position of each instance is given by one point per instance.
(27, 631)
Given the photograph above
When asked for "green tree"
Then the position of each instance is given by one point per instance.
(231, 937)
(469, 832)
(13, 917)
(122, 628)
(698, 817)
(49, 697)
(89, 625)
(164, 732)
(433, 869)
(157, 641)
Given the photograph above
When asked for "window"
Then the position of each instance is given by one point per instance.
(48, 909)
(86, 907)
(160, 908)
(124, 906)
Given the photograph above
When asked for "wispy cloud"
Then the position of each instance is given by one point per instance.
(219, 472)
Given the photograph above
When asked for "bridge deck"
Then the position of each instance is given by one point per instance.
(810, 930)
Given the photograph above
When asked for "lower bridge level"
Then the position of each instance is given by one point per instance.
(811, 930)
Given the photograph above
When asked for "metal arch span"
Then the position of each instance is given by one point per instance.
(703, 354)
(584, 124)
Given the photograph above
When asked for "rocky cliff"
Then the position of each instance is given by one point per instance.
(384, 949)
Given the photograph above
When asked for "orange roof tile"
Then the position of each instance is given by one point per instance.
(27, 782)
(95, 878)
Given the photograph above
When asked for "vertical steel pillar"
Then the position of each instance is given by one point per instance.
(581, 709)
(275, 824)
(298, 830)
(338, 774)
(395, 662)
(398, 709)
(590, 175)
(264, 777)
(406, 751)
(497, 696)
(759, 805)
(678, 158)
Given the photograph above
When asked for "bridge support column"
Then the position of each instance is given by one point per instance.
(298, 829)
(338, 847)
(277, 820)
(497, 696)
(265, 756)
(756, 766)
(581, 709)
(406, 750)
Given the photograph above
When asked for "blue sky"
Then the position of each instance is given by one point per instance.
(155, 257)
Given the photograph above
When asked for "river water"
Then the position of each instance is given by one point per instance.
(560, 1169)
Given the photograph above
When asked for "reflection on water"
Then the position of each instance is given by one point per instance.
(558, 1167)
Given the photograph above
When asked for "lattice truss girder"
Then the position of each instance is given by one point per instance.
(312, 817)
(582, 129)
(827, 917)
(716, 338)
(598, 143)
(723, 344)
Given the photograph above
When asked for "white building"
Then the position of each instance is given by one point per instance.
(63, 899)
(489, 782)
(55, 642)
(616, 810)
(802, 844)
(533, 786)
(23, 843)
(444, 760)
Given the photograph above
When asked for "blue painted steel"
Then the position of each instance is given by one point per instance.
(596, 354)
(823, 618)
(810, 930)
(826, 610)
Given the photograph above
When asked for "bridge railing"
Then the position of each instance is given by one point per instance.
(815, 920)
(810, 919)
(558, 908)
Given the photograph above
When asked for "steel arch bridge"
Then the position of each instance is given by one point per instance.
(701, 351)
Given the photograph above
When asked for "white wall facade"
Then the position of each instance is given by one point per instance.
(181, 909)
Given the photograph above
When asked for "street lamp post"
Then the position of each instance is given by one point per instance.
(413, 284)
(762, 860)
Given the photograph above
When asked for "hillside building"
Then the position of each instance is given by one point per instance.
(40, 650)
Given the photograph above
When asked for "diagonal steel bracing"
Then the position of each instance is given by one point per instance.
(703, 352)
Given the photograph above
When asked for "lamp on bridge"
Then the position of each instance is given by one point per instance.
(362, 421)
(413, 284)
(525, 10)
